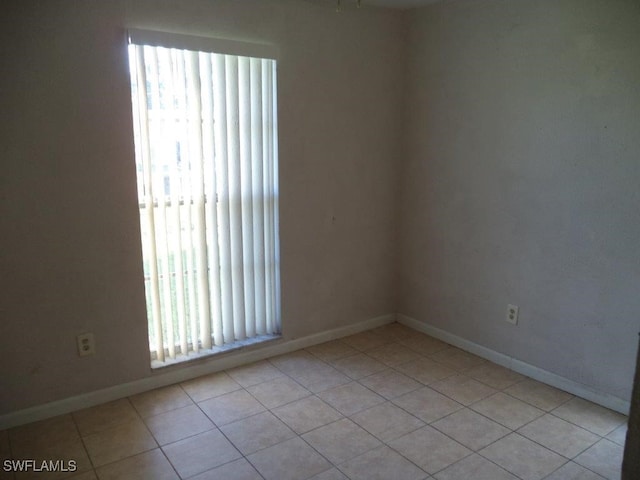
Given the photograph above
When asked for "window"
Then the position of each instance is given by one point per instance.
(205, 131)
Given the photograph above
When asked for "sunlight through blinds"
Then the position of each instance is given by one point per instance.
(205, 130)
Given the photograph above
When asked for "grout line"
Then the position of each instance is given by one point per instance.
(162, 452)
(84, 445)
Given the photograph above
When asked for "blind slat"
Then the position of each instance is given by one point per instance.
(258, 195)
(157, 138)
(175, 218)
(185, 154)
(149, 253)
(268, 201)
(210, 194)
(235, 208)
(273, 165)
(246, 185)
(197, 166)
(222, 183)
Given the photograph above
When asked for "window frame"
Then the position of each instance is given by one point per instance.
(169, 40)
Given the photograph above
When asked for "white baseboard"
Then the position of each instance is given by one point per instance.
(164, 378)
(231, 360)
(544, 376)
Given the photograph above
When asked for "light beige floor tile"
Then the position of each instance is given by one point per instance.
(332, 350)
(237, 470)
(90, 475)
(573, 471)
(457, 359)
(326, 380)
(522, 457)
(619, 435)
(474, 467)
(4, 439)
(358, 366)
(151, 465)
(382, 464)
(365, 341)
(427, 404)
(424, 344)
(254, 373)
(390, 384)
(307, 414)
(393, 354)
(590, 416)
(350, 398)
(604, 458)
(290, 460)
(557, 435)
(425, 371)
(105, 416)
(119, 442)
(209, 386)
(200, 453)
(506, 410)
(332, 474)
(387, 421)
(471, 429)
(340, 441)
(58, 429)
(178, 424)
(274, 393)
(319, 377)
(257, 432)
(160, 400)
(5, 454)
(296, 362)
(394, 331)
(494, 375)
(6, 475)
(463, 389)
(538, 394)
(230, 407)
(429, 449)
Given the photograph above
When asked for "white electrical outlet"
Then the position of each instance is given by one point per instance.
(512, 314)
(86, 344)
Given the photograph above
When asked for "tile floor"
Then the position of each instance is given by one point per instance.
(390, 403)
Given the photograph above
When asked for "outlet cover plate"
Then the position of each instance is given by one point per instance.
(86, 344)
(512, 314)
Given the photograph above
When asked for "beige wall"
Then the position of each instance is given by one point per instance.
(70, 258)
(516, 162)
(521, 181)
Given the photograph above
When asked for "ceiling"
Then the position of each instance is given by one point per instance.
(397, 3)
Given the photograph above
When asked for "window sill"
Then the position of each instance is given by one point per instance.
(202, 353)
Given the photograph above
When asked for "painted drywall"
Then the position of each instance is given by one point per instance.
(70, 257)
(521, 178)
(518, 182)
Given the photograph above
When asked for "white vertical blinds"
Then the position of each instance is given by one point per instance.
(206, 156)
